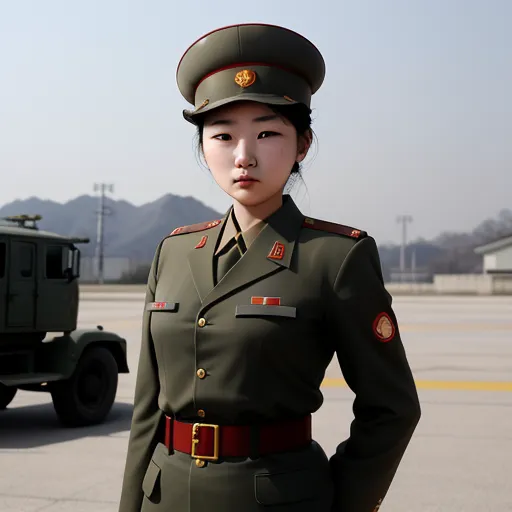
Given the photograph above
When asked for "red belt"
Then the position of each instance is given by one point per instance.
(211, 442)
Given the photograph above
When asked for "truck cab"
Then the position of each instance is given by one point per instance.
(38, 280)
(41, 348)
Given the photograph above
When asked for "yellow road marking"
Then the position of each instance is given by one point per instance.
(439, 384)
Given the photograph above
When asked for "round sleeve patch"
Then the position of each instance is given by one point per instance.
(384, 328)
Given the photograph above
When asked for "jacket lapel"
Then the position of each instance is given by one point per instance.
(271, 251)
(200, 261)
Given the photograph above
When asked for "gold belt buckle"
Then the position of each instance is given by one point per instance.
(195, 441)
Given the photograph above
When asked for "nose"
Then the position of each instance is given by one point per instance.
(244, 156)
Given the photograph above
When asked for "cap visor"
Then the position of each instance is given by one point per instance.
(192, 116)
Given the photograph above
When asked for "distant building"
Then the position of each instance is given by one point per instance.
(497, 256)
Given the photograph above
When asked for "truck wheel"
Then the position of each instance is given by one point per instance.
(87, 397)
(7, 394)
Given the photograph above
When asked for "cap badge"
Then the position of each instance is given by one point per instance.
(245, 78)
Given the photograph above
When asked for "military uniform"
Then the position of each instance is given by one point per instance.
(238, 330)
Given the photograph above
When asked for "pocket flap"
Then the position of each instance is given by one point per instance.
(150, 479)
(259, 310)
(286, 487)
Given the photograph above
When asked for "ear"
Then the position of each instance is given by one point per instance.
(304, 143)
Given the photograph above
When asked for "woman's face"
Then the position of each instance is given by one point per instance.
(250, 151)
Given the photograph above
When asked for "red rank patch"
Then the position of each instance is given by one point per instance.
(277, 252)
(384, 328)
(266, 301)
(202, 242)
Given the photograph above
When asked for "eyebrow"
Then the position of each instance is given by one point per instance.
(228, 122)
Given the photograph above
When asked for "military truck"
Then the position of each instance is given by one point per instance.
(41, 348)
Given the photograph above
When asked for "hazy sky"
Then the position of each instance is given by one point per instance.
(415, 115)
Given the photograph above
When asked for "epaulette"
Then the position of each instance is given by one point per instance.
(194, 228)
(332, 227)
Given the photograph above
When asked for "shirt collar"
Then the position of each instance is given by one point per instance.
(230, 231)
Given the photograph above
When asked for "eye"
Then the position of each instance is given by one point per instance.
(265, 135)
(222, 136)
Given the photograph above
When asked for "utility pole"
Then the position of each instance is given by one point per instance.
(403, 219)
(101, 212)
(413, 265)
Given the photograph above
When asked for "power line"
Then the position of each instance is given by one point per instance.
(101, 213)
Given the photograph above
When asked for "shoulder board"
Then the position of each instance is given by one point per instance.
(332, 227)
(194, 228)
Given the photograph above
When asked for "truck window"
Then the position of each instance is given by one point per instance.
(55, 264)
(3, 253)
(26, 255)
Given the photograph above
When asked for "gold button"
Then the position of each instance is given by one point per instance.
(201, 373)
(201, 322)
(201, 413)
(200, 463)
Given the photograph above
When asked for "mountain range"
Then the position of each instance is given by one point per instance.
(129, 230)
(134, 231)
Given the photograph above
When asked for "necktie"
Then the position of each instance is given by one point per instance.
(233, 251)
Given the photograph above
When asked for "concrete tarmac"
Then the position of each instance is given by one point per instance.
(460, 459)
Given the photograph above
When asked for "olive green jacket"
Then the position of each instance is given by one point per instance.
(266, 363)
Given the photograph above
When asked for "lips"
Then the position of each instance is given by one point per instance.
(244, 179)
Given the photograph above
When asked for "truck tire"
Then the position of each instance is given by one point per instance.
(87, 396)
(7, 394)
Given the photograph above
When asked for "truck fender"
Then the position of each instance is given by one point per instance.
(63, 352)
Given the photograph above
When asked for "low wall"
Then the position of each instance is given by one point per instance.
(475, 284)
(502, 285)
(411, 288)
(456, 284)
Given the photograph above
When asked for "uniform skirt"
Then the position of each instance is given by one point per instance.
(298, 481)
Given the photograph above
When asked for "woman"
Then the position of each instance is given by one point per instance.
(244, 314)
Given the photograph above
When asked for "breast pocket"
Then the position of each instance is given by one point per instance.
(164, 325)
(252, 310)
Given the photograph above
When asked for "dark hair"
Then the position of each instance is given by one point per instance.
(298, 114)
